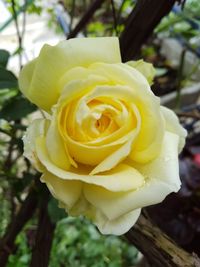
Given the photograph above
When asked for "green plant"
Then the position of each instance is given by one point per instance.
(78, 243)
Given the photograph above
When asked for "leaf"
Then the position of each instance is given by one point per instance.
(6, 95)
(55, 213)
(7, 79)
(18, 51)
(16, 109)
(4, 56)
(5, 125)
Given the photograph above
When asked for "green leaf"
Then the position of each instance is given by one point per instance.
(18, 51)
(92, 248)
(5, 125)
(4, 56)
(7, 79)
(55, 213)
(16, 109)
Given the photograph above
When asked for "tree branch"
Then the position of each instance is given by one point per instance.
(19, 37)
(158, 248)
(140, 24)
(7, 243)
(115, 24)
(44, 235)
(86, 17)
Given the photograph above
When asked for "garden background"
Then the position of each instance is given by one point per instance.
(33, 230)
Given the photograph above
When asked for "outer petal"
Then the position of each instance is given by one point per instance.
(173, 125)
(36, 129)
(25, 77)
(54, 61)
(66, 191)
(125, 75)
(145, 68)
(118, 179)
(118, 226)
(162, 178)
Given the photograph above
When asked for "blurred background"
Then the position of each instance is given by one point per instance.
(164, 33)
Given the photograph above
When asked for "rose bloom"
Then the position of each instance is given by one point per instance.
(107, 147)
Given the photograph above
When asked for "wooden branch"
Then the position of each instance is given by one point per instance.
(158, 248)
(7, 243)
(140, 24)
(44, 235)
(86, 17)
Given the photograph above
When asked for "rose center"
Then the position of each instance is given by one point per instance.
(87, 121)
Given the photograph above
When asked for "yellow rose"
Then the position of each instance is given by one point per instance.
(106, 148)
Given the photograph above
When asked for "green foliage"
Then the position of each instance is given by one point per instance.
(13, 108)
(107, 22)
(34, 7)
(10, 98)
(148, 51)
(55, 213)
(192, 7)
(96, 29)
(6, 95)
(4, 56)
(7, 79)
(19, 104)
(4, 207)
(30, 6)
(23, 255)
(77, 243)
(181, 24)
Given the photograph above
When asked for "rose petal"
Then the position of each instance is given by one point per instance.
(112, 160)
(66, 191)
(162, 178)
(120, 154)
(118, 226)
(145, 68)
(54, 61)
(93, 155)
(25, 77)
(78, 87)
(55, 146)
(121, 178)
(123, 74)
(147, 146)
(37, 128)
(173, 125)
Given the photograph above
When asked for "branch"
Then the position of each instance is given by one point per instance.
(44, 235)
(19, 37)
(72, 15)
(7, 243)
(158, 248)
(86, 17)
(140, 24)
(115, 24)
